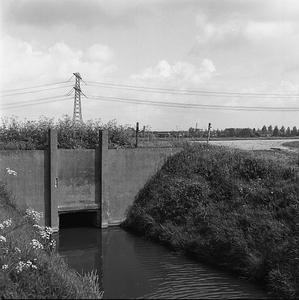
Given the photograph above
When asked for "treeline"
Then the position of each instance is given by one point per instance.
(247, 132)
(33, 135)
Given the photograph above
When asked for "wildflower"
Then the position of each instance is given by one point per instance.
(11, 172)
(1, 226)
(7, 223)
(4, 267)
(20, 266)
(17, 250)
(36, 244)
(25, 265)
(2, 238)
(35, 215)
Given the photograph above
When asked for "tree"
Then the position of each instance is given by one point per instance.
(275, 131)
(270, 129)
(294, 131)
(282, 130)
(264, 129)
(288, 131)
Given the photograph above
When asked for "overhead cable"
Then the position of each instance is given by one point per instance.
(191, 92)
(191, 105)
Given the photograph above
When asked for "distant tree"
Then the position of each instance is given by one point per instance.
(270, 129)
(254, 132)
(191, 131)
(275, 131)
(294, 131)
(264, 129)
(282, 131)
(245, 132)
(230, 132)
(288, 131)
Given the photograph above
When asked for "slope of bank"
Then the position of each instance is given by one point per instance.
(30, 267)
(233, 209)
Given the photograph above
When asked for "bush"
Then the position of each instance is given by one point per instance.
(33, 135)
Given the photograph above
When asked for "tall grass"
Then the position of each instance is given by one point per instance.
(233, 209)
(32, 135)
(30, 267)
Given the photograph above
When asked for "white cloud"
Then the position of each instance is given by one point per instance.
(238, 28)
(181, 74)
(20, 62)
(99, 53)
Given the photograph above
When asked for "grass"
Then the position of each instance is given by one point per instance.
(30, 267)
(234, 209)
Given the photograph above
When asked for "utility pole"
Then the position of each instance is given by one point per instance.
(209, 131)
(77, 114)
(137, 131)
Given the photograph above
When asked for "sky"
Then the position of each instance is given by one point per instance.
(166, 64)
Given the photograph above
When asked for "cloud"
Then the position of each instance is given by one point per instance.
(23, 62)
(181, 74)
(99, 53)
(83, 13)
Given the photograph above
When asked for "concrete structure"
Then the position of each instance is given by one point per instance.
(101, 181)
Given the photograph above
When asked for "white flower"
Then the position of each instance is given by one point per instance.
(4, 267)
(11, 172)
(2, 238)
(36, 244)
(35, 215)
(17, 250)
(7, 223)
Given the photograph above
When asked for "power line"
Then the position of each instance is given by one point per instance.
(33, 87)
(31, 92)
(190, 105)
(35, 101)
(190, 92)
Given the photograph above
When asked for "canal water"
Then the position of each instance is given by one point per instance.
(130, 267)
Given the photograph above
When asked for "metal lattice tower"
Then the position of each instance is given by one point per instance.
(77, 115)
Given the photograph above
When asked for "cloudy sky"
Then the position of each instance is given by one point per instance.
(167, 64)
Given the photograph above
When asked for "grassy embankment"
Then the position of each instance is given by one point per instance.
(234, 209)
(30, 267)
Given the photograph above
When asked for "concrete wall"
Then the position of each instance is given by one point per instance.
(129, 170)
(78, 179)
(61, 181)
(30, 187)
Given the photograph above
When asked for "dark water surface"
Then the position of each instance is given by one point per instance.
(131, 267)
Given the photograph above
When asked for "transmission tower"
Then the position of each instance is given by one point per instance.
(77, 115)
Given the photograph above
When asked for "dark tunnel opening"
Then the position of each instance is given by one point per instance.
(76, 219)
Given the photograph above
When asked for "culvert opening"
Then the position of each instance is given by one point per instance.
(77, 219)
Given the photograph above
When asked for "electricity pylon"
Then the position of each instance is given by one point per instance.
(77, 115)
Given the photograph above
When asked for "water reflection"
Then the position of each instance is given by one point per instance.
(132, 267)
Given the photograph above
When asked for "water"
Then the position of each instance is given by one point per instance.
(131, 267)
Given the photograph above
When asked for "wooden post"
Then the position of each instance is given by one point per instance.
(53, 180)
(209, 130)
(137, 131)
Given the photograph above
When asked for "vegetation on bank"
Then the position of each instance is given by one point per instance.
(33, 135)
(30, 267)
(234, 209)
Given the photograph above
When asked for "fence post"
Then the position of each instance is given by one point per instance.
(137, 132)
(53, 180)
(103, 164)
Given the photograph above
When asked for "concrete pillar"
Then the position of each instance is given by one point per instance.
(53, 180)
(103, 164)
